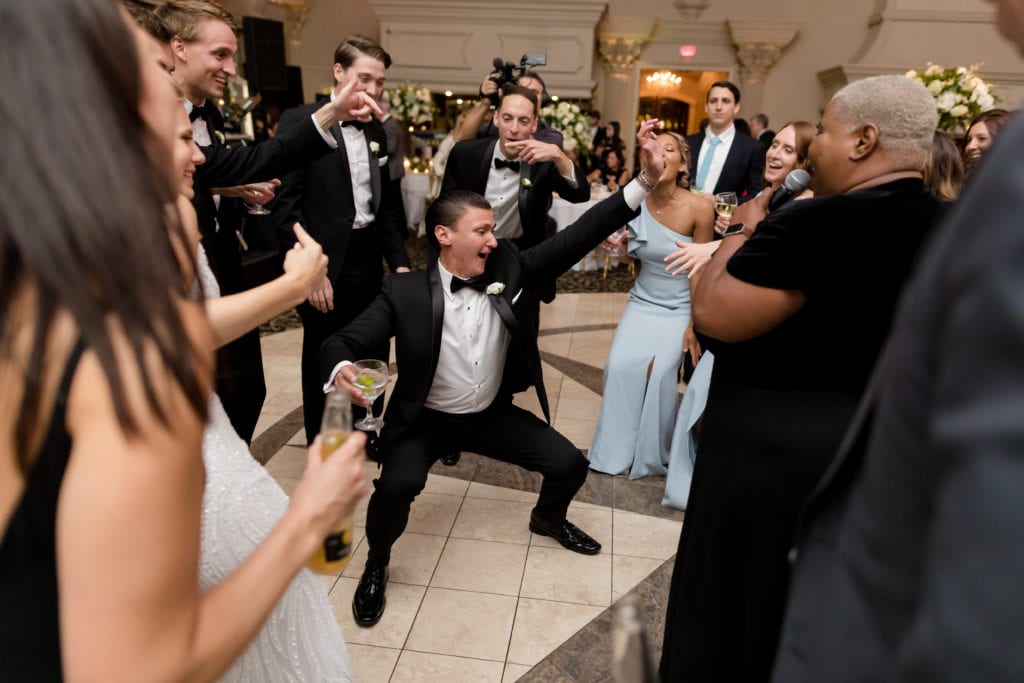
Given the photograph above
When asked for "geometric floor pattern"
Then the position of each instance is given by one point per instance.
(473, 595)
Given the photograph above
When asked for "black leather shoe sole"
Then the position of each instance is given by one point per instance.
(451, 459)
(567, 543)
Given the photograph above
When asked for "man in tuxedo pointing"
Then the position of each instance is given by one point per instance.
(466, 341)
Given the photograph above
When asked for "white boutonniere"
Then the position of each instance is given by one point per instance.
(219, 135)
(527, 184)
(375, 148)
(495, 288)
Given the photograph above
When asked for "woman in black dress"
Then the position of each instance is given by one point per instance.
(797, 323)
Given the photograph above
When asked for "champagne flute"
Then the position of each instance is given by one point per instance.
(371, 379)
(336, 550)
(617, 238)
(256, 209)
(725, 203)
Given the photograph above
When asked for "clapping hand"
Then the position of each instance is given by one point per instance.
(651, 161)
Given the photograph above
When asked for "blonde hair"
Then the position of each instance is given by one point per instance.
(184, 17)
(683, 177)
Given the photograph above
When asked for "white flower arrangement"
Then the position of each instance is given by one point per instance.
(526, 183)
(411, 104)
(571, 122)
(960, 94)
(375, 148)
(495, 288)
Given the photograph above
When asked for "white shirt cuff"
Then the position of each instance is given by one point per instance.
(328, 138)
(329, 386)
(634, 193)
(571, 178)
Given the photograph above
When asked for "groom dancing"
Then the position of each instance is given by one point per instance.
(466, 341)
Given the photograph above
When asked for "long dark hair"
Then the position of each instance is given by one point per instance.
(83, 228)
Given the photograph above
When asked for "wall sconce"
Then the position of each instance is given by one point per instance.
(296, 12)
(664, 78)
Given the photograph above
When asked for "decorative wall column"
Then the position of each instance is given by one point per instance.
(759, 44)
(691, 9)
(295, 14)
(620, 40)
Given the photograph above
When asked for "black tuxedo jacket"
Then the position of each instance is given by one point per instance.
(743, 170)
(230, 166)
(319, 196)
(411, 309)
(469, 165)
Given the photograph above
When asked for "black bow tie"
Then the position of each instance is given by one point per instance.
(479, 283)
(500, 163)
(354, 123)
(199, 112)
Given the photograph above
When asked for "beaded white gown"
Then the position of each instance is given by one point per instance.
(301, 640)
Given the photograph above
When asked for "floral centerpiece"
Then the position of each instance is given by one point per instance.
(959, 94)
(411, 104)
(572, 123)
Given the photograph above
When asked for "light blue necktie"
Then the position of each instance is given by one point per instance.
(705, 165)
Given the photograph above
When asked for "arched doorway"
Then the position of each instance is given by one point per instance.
(676, 96)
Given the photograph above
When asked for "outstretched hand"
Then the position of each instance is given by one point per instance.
(651, 161)
(305, 263)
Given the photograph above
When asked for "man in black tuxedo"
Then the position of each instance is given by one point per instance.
(515, 172)
(722, 159)
(203, 46)
(347, 203)
(531, 80)
(760, 131)
(466, 340)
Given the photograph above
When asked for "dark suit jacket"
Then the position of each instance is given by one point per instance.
(319, 196)
(469, 165)
(743, 169)
(230, 166)
(411, 309)
(910, 554)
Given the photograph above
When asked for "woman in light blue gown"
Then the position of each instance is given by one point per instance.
(634, 430)
(788, 151)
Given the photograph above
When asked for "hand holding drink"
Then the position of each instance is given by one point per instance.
(336, 428)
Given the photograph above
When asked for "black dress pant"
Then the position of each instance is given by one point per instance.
(504, 432)
(355, 288)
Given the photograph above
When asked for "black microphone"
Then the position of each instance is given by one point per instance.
(796, 182)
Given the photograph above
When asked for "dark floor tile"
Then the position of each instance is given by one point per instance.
(266, 445)
(597, 489)
(546, 672)
(643, 496)
(589, 376)
(587, 656)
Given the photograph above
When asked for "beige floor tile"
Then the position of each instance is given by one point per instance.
(594, 520)
(572, 389)
(493, 520)
(287, 484)
(557, 344)
(463, 624)
(642, 536)
(448, 486)
(564, 576)
(478, 490)
(370, 663)
(579, 432)
(413, 559)
(298, 439)
(481, 566)
(289, 462)
(328, 580)
(528, 400)
(513, 672)
(627, 572)
(594, 356)
(403, 601)
(579, 408)
(429, 668)
(433, 513)
(542, 625)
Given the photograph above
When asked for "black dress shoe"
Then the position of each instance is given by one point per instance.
(569, 535)
(452, 458)
(368, 602)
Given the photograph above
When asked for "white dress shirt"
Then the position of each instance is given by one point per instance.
(474, 344)
(502, 191)
(358, 169)
(717, 161)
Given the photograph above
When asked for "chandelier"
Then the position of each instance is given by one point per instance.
(664, 78)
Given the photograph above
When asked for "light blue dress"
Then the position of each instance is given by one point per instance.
(634, 430)
(683, 453)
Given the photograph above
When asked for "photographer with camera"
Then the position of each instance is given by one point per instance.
(507, 74)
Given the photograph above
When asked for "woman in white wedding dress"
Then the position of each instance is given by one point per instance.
(301, 640)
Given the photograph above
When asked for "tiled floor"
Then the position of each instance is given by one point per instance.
(473, 595)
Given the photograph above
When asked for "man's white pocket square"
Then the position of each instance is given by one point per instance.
(516, 297)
